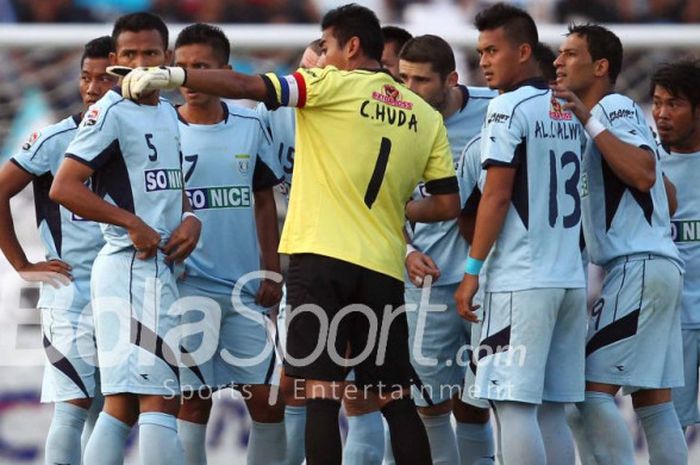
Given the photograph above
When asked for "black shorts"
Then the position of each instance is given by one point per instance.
(360, 311)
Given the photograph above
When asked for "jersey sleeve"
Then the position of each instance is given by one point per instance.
(268, 171)
(501, 135)
(468, 174)
(35, 155)
(97, 139)
(625, 122)
(439, 174)
(305, 88)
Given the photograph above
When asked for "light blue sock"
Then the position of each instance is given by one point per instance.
(521, 438)
(556, 435)
(583, 445)
(388, 451)
(441, 436)
(664, 434)
(475, 443)
(63, 440)
(365, 442)
(193, 439)
(92, 416)
(267, 444)
(158, 440)
(611, 445)
(107, 442)
(295, 427)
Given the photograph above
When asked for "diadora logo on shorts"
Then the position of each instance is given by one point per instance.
(685, 230)
(390, 95)
(556, 111)
(163, 180)
(243, 164)
(33, 138)
(91, 117)
(204, 198)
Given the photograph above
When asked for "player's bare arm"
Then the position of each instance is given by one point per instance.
(493, 208)
(12, 180)
(419, 265)
(437, 207)
(184, 239)
(69, 190)
(270, 292)
(671, 195)
(635, 166)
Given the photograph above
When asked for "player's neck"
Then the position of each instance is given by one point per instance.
(690, 144)
(453, 102)
(595, 93)
(210, 113)
(363, 62)
(151, 99)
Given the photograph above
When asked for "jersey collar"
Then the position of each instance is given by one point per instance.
(77, 118)
(465, 96)
(224, 107)
(536, 82)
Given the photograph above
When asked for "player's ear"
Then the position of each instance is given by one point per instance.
(452, 79)
(168, 57)
(112, 58)
(601, 67)
(227, 66)
(353, 48)
(525, 52)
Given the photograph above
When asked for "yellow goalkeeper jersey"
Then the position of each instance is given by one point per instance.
(363, 143)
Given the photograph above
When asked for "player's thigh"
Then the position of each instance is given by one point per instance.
(135, 329)
(516, 335)
(69, 345)
(565, 371)
(437, 337)
(247, 348)
(318, 288)
(685, 398)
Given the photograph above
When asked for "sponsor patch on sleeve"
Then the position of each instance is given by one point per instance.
(31, 140)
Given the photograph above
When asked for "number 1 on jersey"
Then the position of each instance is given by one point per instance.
(375, 181)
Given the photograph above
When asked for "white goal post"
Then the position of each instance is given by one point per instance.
(293, 36)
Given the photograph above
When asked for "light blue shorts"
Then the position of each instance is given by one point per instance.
(68, 337)
(532, 346)
(136, 325)
(228, 345)
(685, 399)
(634, 332)
(439, 344)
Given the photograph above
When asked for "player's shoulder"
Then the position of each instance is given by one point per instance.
(97, 112)
(480, 93)
(616, 106)
(234, 113)
(519, 98)
(49, 136)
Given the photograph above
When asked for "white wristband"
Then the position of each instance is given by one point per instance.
(186, 214)
(410, 249)
(594, 127)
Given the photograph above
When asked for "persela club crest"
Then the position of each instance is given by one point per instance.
(556, 111)
(390, 95)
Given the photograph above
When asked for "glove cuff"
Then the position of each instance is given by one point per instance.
(178, 76)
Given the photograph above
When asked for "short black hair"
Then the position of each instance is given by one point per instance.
(353, 20)
(680, 78)
(142, 21)
(545, 61)
(97, 48)
(518, 24)
(315, 45)
(602, 44)
(430, 49)
(396, 35)
(200, 33)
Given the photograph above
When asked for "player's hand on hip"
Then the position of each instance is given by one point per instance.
(52, 272)
(464, 297)
(269, 293)
(144, 238)
(420, 265)
(141, 80)
(573, 103)
(184, 240)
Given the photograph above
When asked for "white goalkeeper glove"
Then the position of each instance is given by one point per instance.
(136, 82)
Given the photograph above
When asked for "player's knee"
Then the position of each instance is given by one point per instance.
(263, 404)
(81, 403)
(161, 404)
(465, 413)
(123, 407)
(436, 410)
(293, 391)
(195, 410)
(647, 397)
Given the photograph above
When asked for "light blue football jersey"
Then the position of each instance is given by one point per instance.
(619, 220)
(224, 164)
(281, 125)
(135, 152)
(538, 246)
(64, 235)
(471, 175)
(441, 240)
(682, 170)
